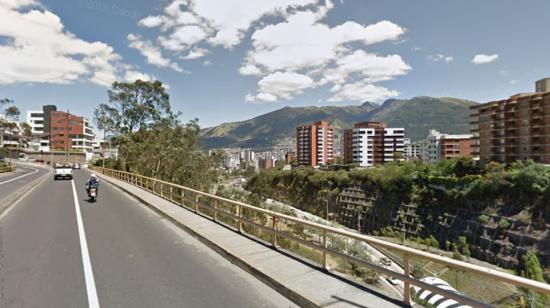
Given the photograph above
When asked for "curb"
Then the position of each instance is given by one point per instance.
(295, 297)
(21, 193)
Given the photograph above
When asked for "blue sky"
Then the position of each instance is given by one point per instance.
(258, 56)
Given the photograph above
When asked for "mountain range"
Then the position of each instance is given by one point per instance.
(417, 115)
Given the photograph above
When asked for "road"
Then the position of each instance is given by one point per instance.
(59, 250)
(10, 181)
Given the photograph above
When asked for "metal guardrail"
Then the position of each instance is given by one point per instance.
(194, 200)
(7, 169)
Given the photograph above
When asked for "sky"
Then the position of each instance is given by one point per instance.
(226, 61)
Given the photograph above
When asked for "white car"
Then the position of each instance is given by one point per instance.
(63, 171)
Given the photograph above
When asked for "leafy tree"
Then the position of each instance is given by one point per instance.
(151, 140)
(9, 112)
(137, 105)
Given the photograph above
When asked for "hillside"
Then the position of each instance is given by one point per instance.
(417, 115)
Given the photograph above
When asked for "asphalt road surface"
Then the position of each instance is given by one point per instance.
(10, 181)
(59, 250)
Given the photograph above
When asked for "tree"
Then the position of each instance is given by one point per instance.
(9, 113)
(151, 140)
(533, 270)
(137, 105)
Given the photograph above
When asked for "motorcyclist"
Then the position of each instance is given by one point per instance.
(92, 182)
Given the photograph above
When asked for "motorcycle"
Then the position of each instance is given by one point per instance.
(92, 194)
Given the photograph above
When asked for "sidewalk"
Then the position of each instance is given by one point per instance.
(304, 284)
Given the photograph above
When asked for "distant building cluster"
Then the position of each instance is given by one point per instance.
(247, 159)
(52, 130)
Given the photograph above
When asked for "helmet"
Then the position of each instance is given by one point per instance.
(93, 175)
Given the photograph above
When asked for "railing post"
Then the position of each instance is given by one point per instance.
(196, 205)
(325, 245)
(171, 193)
(215, 210)
(182, 195)
(161, 190)
(153, 187)
(406, 284)
(240, 215)
(274, 228)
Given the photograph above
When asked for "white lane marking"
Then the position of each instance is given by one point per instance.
(88, 273)
(20, 177)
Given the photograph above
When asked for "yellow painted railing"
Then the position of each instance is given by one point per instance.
(277, 224)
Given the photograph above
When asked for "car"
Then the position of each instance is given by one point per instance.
(63, 171)
(393, 280)
(40, 161)
(76, 166)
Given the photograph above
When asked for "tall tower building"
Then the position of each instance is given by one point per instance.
(373, 143)
(315, 144)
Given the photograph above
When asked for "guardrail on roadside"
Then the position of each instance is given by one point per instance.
(9, 168)
(276, 224)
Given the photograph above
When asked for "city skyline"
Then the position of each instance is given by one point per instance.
(402, 49)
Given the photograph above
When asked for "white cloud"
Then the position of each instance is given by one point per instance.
(183, 38)
(195, 54)
(151, 53)
(38, 49)
(483, 58)
(131, 76)
(361, 91)
(250, 70)
(281, 86)
(223, 22)
(297, 52)
(303, 44)
(207, 63)
(513, 81)
(151, 21)
(440, 58)
(369, 67)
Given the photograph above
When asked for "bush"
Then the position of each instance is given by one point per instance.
(484, 219)
(503, 224)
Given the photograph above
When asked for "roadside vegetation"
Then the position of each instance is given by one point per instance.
(492, 192)
(150, 137)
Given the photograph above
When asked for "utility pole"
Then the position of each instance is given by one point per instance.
(102, 146)
(67, 135)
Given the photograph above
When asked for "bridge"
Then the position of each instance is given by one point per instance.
(148, 243)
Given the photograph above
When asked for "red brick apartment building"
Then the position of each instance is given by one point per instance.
(452, 147)
(315, 144)
(517, 128)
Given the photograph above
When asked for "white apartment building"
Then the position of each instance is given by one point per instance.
(39, 141)
(373, 143)
(412, 150)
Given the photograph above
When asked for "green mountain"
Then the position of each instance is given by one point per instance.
(416, 115)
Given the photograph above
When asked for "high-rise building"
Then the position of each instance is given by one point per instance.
(58, 130)
(315, 144)
(373, 143)
(411, 150)
(517, 128)
(438, 146)
(542, 85)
